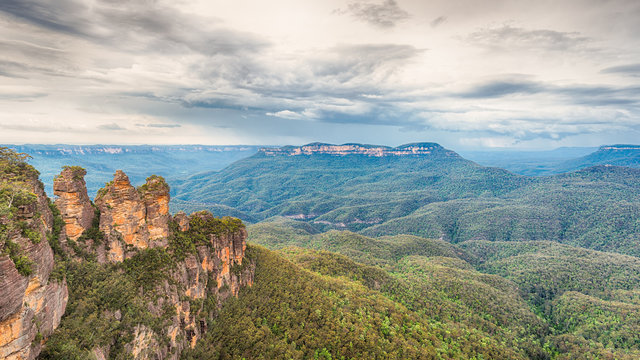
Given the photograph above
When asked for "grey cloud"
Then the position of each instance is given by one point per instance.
(384, 15)
(112, 126)
(438, 21)
(153, 125)
(22, 97)
(134, 26)
(341, 73)
(593, 95)
(631, 69)
(502, 88)
(37, 128)
(515, 38)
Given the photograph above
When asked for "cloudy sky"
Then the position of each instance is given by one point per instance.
(466, 74)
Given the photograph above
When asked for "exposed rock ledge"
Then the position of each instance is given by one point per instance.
(359, 149)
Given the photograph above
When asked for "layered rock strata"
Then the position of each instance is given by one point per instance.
(359, 149)
(31, 302)
(136, 219)
(73, 202)
(133, 219)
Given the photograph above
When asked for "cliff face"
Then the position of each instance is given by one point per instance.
(358, 149)
(131, 218)
(215, 271)
(202, 264)
(122, 217)
(73, 202)
(155, 195)
(31, 302)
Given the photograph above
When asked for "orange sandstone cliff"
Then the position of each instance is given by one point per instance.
(134, 219)
(31, 301)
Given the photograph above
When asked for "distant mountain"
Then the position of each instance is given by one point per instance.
(359, 149)
(138, 161)
(349, 186)
(558, 161)
(436, 194)
(617, 155)
(528, 162)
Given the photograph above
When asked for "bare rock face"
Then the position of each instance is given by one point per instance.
(122, 217)
(155, 194)
(31, 303)
(217, 270)
(131, 218)
(73, 202)
(182, 220)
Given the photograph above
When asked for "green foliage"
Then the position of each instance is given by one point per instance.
(292, 313)
(157, 183)
(383, 251)
(431, 196)
(590, 298)
(22, 263)
(97, 292)
(77, 171)
(30, 233)
(202, 226)
(93, 232)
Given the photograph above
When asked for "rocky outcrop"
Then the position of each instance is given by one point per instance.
(155, 195)
(182, 220)
(203, 263)
(131, 218)
(216, 270)
(73, 202)
(359, 149)
(122, 217)
(31, 303)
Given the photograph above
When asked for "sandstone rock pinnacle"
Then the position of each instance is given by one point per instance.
(73, 202)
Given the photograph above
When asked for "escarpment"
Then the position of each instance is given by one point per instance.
(176, 271)
(32, 300)
(359, 149)
(73, 202)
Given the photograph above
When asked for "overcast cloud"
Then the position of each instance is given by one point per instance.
(466, 73)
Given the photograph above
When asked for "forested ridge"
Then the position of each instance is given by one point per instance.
(435, 196)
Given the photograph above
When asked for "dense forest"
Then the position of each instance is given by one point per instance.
(438, 195)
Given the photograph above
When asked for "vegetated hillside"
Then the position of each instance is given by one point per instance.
(353, 190)
(590, 298)
(384, 251)
(435, 195)
(585, 300)
(326, 306)
(597, 208)
(617, 155)
(173, 162)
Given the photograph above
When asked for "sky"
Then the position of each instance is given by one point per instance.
(468, 74)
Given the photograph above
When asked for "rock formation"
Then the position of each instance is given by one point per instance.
(122, 217)
(135, 219)
(203, 264)
(73, 202)
(31, 303)
(155, 194)
(359, 149)
(217, 270)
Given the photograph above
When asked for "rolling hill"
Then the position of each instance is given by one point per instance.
(431, 193)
